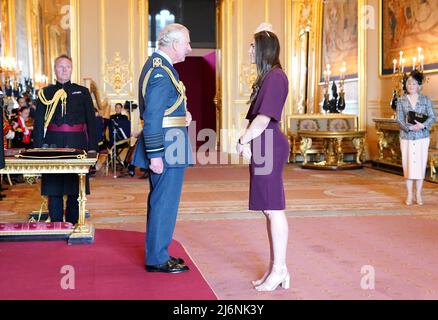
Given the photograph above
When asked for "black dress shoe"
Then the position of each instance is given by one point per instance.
(168, 267)
(177, 260)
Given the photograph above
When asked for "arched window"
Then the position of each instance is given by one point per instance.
(199, 16)
(162, 19)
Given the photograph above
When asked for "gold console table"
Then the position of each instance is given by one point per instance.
(320, 122)
(333, 151)
(388, 134)
(83, 232)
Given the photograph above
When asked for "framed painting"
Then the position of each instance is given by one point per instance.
(406, 26)
(7, 28)
(53, 31)
(340, 45)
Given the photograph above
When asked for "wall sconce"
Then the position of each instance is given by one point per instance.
(41, 80)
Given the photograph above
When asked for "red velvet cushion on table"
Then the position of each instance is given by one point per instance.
(35, 226)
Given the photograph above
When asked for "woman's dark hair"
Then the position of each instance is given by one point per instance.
(267, 57)
(416, 75)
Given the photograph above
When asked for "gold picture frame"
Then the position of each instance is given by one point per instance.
(53, 29)
(340, 38)
(406, 25)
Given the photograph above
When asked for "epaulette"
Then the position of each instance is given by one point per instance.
(157, 62)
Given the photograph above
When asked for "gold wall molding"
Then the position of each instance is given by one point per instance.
(289, 63)
(8, 28)
(305, 43)
(102, 38)
(143, 8)
(248, 75)
(316, 45)
(267, 10)
(363, 65)
(117, 93)
(75, 43)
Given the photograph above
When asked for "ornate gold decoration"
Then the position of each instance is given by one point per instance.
(302, 98)
(248, 76)
(305, 145)
(117, 74)
(363, 65)
(306, 15)
(333, 149)
(388, 132)
(359, 145)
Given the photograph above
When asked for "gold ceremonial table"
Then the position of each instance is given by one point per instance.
(83, 232)
(333, 151)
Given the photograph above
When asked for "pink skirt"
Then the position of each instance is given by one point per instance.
(414, 158)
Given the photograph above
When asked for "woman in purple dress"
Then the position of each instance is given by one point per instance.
(268, 150)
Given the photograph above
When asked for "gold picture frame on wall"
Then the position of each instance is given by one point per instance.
(406, 25)
(340, 38)
(53, 29)
(7, 45)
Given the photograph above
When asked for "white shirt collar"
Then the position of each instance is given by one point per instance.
(165, 56)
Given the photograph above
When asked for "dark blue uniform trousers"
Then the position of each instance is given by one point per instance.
(163, 203)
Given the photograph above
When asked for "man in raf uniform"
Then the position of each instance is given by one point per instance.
(163, 147)
(64, 118)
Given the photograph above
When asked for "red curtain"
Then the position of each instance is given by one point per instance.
(199, 77)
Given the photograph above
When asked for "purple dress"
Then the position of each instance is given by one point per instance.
(271, 149)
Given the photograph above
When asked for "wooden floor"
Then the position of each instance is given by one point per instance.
(216, 228)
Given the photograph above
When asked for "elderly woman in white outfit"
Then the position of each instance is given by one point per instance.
(414, 135)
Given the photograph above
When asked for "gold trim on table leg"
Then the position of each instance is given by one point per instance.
(382, 144)
(359, 144)
(82, 200)
(330, 153)
(83, 232)
(306, 144)
(340, 152)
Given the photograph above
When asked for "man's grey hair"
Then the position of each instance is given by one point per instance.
(170, 33)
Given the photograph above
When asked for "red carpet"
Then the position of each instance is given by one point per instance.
(111, 268)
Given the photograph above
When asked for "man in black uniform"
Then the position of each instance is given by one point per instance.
(118, 116)
(64, 118)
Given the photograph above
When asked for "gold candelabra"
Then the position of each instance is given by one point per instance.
(41, 81)
(9, 69)
(337, 103)
(399, 74)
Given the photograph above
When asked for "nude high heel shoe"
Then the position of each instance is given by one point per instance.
(419, 199)
(409, 200)
(275, 279)
(258, 282)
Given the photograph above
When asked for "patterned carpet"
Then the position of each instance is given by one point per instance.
(339, 221)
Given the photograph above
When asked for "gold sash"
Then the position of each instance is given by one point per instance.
(158, 63)
(60, 95)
